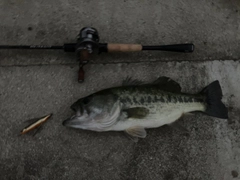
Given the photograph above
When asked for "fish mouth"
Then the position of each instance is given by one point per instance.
(71, 122)
(66, 122)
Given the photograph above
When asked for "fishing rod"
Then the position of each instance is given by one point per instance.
(88, 43)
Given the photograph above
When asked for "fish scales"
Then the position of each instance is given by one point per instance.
(131, 98)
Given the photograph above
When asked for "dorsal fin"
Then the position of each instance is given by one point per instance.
(131, 82)
(167, 84)
(164, 83)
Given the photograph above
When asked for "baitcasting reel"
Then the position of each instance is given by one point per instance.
(88, 43)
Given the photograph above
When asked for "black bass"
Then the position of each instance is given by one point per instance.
(135, 107)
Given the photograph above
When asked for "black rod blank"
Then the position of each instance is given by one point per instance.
(30, 47)
(187, 48)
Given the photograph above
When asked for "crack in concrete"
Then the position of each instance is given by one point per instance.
(122, 62)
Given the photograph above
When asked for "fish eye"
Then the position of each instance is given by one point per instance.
(87, 100)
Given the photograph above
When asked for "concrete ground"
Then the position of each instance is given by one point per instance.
(36, 83)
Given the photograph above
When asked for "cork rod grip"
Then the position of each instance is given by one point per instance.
(124, 47)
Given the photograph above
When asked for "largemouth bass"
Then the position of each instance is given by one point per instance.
(135, 107)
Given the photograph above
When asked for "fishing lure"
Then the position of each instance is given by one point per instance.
(36, 124)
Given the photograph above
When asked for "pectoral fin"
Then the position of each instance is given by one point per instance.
(137, 112)
(137, 132)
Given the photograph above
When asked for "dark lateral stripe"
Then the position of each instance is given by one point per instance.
(180, 99)
(157, 99)
(198, 99)
(175, 99)
(126, 100)
(162, 99)
(135, 100)
(190, 100)
(123, 100)
(169, 98)
(129, 100)
(149, 99)
(185, 99)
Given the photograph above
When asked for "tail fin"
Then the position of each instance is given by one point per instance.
(215, 107)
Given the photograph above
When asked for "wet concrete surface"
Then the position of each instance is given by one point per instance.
(36, 83)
